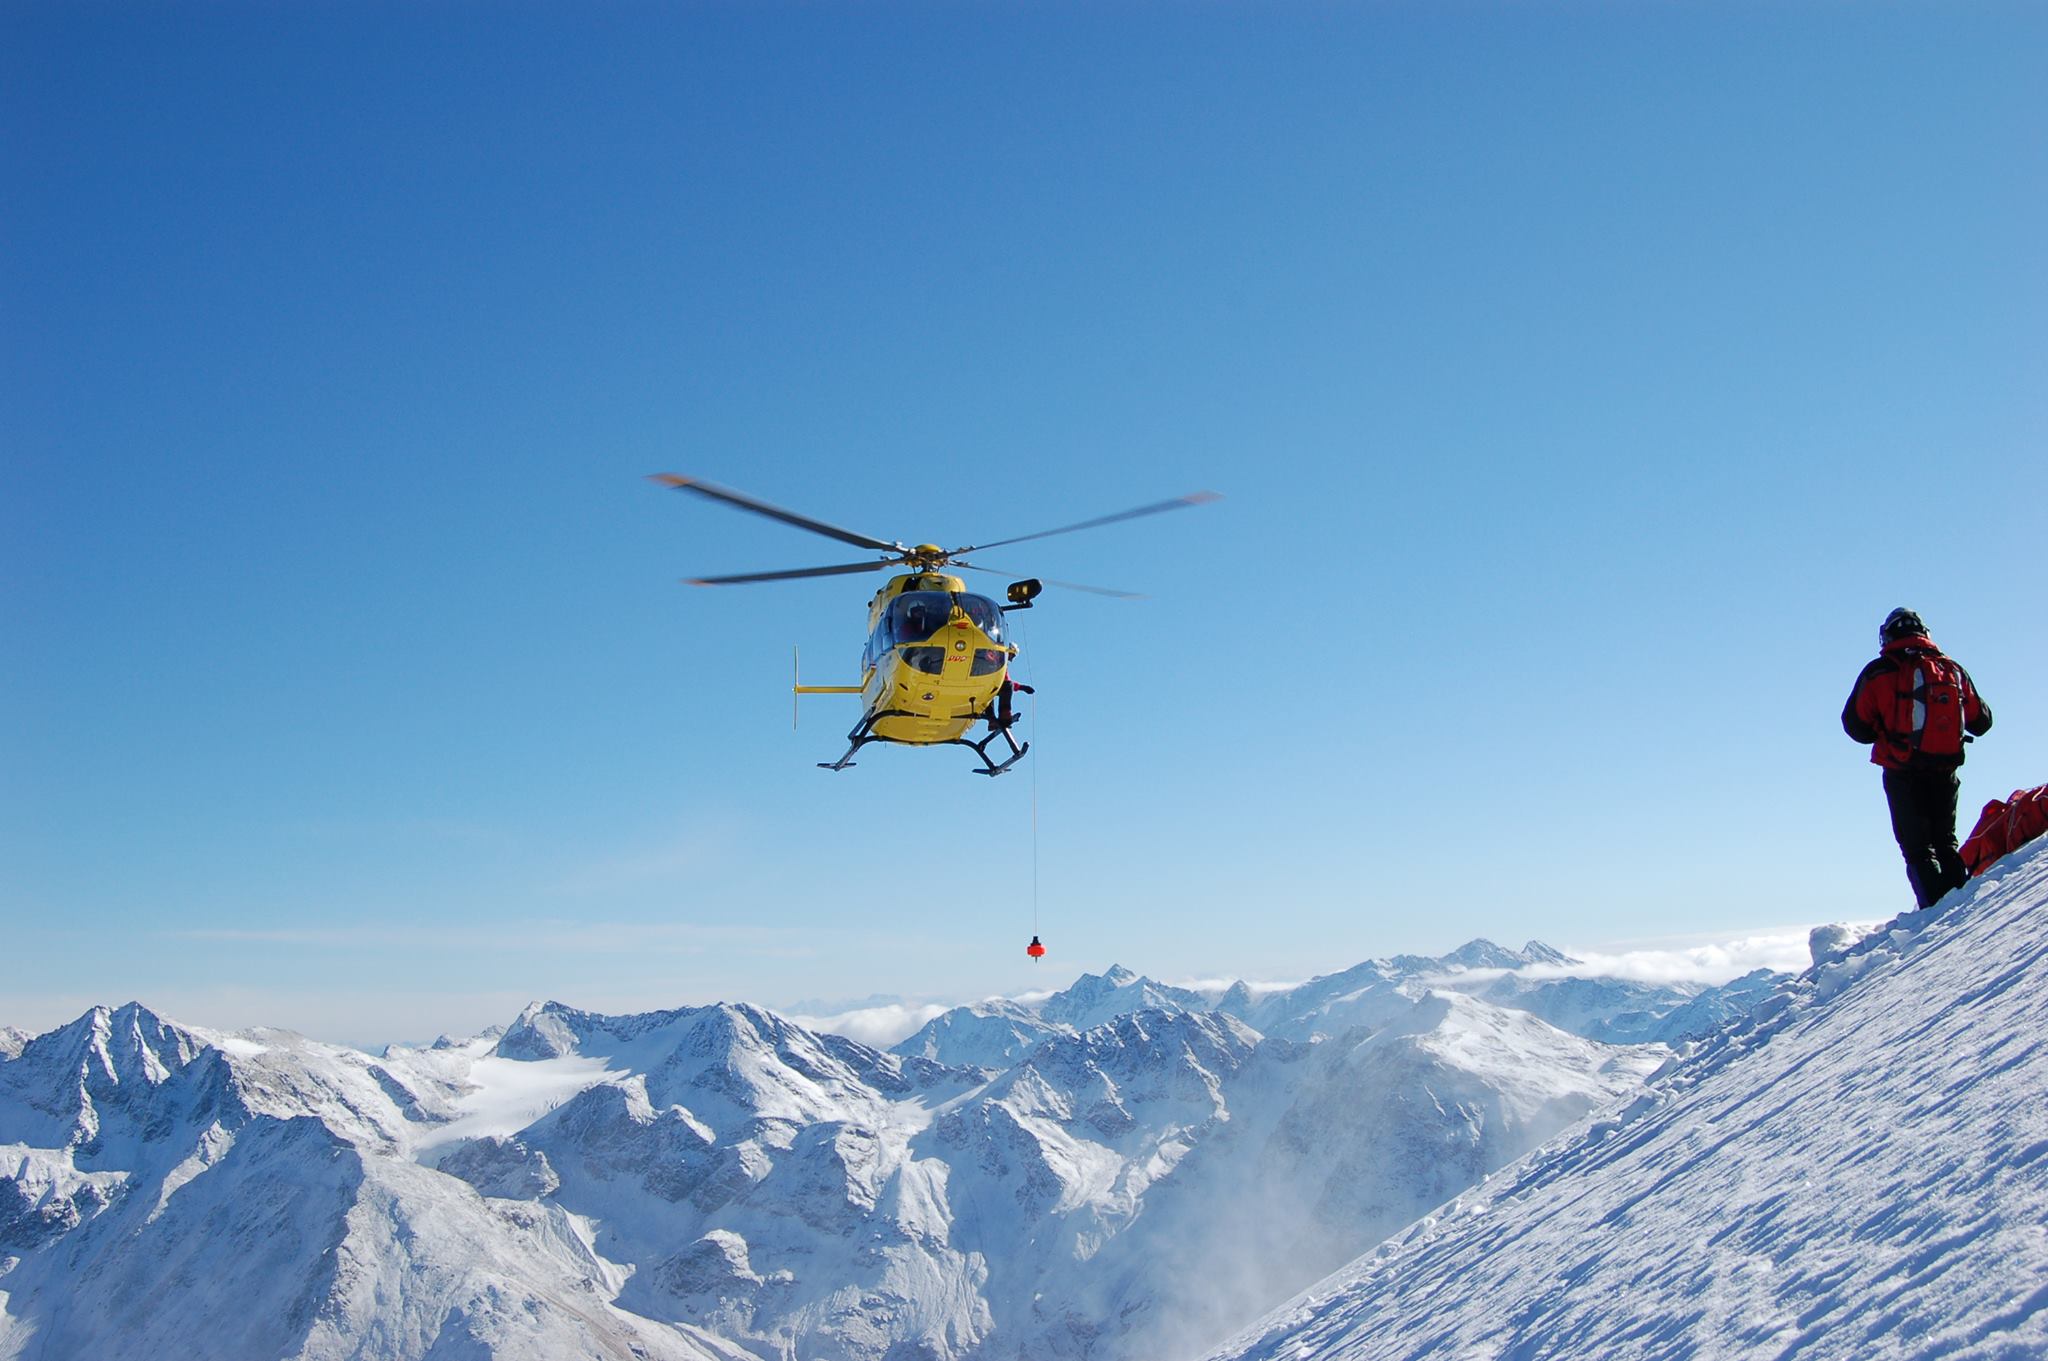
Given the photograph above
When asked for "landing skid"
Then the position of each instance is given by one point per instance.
(988, 767)
(864, 733)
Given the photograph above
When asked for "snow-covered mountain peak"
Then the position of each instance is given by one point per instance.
(1156, 1030)
(1528, 1063)
(1536, 952)
(989, 1035)
(551, 1030)
(129, 1043)
(998, 1032)
(99, 1077)
(542, 1030)
(1094, 998)
(1152, 1056)
(730, 1064)
(1480, 953)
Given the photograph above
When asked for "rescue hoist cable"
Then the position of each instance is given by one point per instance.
(1034, 815)
(1024, 633)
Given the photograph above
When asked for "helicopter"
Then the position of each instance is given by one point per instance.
(937, 658)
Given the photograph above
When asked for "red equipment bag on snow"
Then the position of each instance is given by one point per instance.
(2005, 825)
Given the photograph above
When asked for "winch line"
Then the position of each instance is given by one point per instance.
(1030, 678)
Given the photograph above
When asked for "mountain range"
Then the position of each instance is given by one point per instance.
(1125, 1169)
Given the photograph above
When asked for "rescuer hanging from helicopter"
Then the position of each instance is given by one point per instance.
(1005, 712)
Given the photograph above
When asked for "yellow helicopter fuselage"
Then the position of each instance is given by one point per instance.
(936, 658)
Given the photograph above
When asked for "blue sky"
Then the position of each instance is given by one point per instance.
(1583, 381)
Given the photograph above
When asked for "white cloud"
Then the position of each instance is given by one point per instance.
(1214, 988)
(1683, 959)
(878, 1027)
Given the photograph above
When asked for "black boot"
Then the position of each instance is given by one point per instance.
(1923, 871)
(1954, 874)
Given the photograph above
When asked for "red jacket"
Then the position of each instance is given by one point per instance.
(1865, 717)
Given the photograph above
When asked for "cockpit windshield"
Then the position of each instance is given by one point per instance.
(916, 615)
(986, 614)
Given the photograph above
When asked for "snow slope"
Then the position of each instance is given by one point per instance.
(1859, 1169)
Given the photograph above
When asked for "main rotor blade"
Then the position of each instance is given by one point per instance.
(844, 569)
(788, 517)
(1068, 585)
(1097, 590)
(1196, 499)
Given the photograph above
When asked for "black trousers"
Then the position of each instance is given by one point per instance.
(1923, 804)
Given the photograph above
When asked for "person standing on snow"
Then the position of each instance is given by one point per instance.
(1915, 708)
